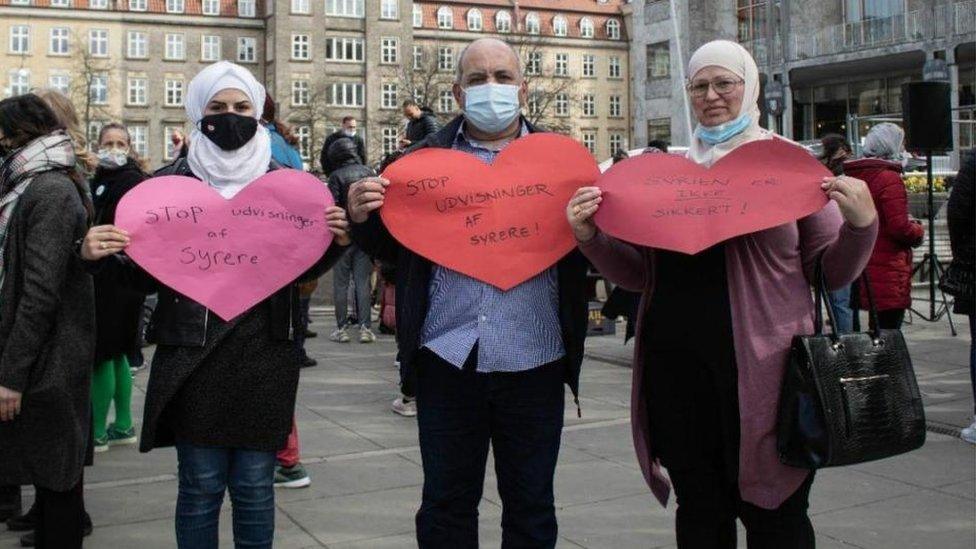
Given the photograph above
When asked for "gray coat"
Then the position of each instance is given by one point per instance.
(47, 330)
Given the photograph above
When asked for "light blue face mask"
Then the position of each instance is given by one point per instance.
(491, 107)
(723, 132)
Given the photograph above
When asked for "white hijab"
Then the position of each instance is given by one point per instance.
(886, 141)
(227, 171)
(735, 58)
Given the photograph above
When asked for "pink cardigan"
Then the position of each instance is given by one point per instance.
(769, 290)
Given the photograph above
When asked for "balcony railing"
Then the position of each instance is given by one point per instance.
(939, 22)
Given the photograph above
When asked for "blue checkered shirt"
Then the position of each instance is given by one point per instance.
(515, 330)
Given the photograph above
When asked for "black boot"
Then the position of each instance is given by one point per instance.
(10, 504)
(25, 522)
(29, 540)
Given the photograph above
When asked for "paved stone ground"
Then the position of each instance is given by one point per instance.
(364, 463)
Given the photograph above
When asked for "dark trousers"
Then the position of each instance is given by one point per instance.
(891, 319)
(60, 518)
(304, 320)
(709, 503)
(10, 504)
(459, 412)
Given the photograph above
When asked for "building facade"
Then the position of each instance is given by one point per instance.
(841, 62)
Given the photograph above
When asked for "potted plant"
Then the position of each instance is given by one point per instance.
(917, 187)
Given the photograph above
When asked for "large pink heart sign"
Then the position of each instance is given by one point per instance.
(666, 201)
(227, 254)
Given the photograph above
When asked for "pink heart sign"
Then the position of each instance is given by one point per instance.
(669, 202)
(227, 255)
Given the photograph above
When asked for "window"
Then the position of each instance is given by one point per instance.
(98, 89)
(659, 128)
(300, 47)
(559, 27)
(388, 96)
(175, 47)
(418, 16)
(445, 58)
(615, 110)
(344, 8)
(533, 65)
(210, 48)
(658, 60)
(562, 104)
(344, 95)
(98, 4)
(562, 64)
(19, 80)
(301, 6)
(247, 8)
(389, 140)
(589, 104)
(98, 42)
(344, 49)
(19, 2)
(589, 65)
(136, 45)
(389, 51)
(247, 49)
(751, 16)
(613, 29)
(59, 81)
(589, 141)
(616, 143)
(137, 139)
(535, 103)
(135, 91)
(445, 18)
(445, 101)
(211, 7)
(586, 27)
(168, 131)
(304, 134)
(532, 23)
(137, 5)
(299, 92)
(94, 127)
(174, 92)
(503, 21)
(389, 9)
(418, 57)
(175, 6)
(474, 20)
(20, 39)
(59, 41)
(61, 3)
(613, 68)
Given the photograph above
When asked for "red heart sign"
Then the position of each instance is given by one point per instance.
(669, 202)
(227, 254)
(501, 223)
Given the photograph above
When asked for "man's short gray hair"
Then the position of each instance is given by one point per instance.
(459, 72)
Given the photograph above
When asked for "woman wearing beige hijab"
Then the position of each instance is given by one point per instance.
(714, 331)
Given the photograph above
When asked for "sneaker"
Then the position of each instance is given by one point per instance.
(309, 334)
(308, 362)
(291, 477)
(340, 335)
(28, 539)
(404, 406)
(101, 444)
(366, 335)
(969, 433)
(117, 437)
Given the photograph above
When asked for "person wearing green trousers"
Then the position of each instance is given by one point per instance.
(117, 310)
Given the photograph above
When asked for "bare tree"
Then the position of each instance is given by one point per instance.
(313, 112)
(546, 89)
(88, 70)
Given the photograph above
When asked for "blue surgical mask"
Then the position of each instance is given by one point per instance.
(713, 135)
(491, 107)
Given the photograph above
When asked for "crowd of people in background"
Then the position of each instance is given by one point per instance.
(224, 393)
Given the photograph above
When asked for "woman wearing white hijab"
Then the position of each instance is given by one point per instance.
(222, 392)
(715, 328)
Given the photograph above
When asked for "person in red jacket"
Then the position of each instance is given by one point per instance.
(890, 268)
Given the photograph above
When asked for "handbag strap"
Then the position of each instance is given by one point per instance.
(820, 285)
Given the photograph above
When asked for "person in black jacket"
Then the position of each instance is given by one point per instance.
(349, 129)
(421, 123)
(490, 364)
(223, 392)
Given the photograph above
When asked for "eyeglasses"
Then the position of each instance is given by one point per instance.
(722, 86)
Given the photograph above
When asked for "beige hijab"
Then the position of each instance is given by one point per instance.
(735, 58)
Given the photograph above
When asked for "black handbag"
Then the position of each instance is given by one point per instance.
(848, 398)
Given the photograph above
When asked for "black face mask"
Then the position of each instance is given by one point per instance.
(229, 131)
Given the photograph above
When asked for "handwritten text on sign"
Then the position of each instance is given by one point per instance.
(227, 254)
(501, 223)
(666, 201)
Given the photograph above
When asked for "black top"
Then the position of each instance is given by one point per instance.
(691, 382)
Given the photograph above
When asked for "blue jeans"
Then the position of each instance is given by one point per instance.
(840, 302)
(204, 474)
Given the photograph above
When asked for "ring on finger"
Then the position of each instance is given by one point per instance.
(101, 245)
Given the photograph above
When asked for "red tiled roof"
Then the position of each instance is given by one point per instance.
(489, 8)
(585, 6)
(228, 8)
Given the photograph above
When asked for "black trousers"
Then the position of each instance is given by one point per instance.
(10, 504)
(891, 319)
(60, 518)
(459, 412)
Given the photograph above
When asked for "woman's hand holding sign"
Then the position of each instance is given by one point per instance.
(365, 196)
(335, 218)
(854, 199)
(103, 241)
(580, 212)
